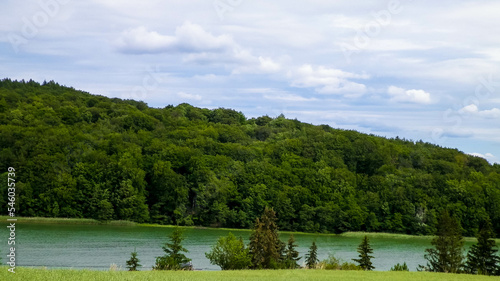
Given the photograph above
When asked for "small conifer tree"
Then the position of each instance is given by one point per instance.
(265, 246)
(312, 256)
(291, 256)
(447, 254)
(173, 259)
(482, 258)
(133, 262)
(364, 250)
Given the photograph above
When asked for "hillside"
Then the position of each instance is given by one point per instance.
(86, 156)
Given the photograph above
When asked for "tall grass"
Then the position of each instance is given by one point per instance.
(32, 274)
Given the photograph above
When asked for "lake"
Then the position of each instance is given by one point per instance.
(98, 246)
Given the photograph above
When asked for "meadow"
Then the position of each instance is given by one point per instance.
(36, 274)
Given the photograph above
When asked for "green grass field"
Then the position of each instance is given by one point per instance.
(247, 275)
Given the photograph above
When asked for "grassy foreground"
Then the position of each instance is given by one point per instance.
(285, 275)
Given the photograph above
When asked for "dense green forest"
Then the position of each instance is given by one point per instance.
(82, 155)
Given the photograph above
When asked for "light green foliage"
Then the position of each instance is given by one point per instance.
(230, 253)
(230, 275)
(333, 263)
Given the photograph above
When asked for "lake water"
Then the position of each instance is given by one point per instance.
(97, 246)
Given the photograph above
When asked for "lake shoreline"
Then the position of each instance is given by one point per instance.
(79, 221)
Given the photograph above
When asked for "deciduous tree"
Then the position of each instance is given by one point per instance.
(230, 253)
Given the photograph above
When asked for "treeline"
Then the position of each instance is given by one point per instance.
(267, 251)
(85, 156)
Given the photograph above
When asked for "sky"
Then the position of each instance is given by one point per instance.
(419, 70)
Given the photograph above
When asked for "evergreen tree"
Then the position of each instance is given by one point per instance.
(174, 259)
(133, 262)
(447, 254)
(264, 241)
(291, 256)
(482, 258)
(229, 253)
(364, 250)
(312, 256)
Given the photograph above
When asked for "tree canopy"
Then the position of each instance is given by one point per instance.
(79, 155)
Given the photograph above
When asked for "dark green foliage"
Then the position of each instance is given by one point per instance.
(447, 254)
(86, 156)
(482, 257)
(230, 253)
(291, 256)
(399, 267)
(312, 256)
(133, 262)
(265, 246)
(364, 250)
(174, 259)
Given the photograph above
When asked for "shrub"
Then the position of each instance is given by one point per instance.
(230, 253)
(399, 267)
(333, 263)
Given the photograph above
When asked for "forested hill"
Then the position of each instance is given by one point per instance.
(82, 155)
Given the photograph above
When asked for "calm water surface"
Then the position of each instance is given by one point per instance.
(97, 247)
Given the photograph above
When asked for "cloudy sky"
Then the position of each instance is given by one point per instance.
(420, 70)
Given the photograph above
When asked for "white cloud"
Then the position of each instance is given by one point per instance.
(188, 38)
(488, 156)
(188, 96)
(257, 65)
(492, 113)
(287, 97)
(327, 80)
(473, 109)
(268, 65)
(212, 78)
(412, 96)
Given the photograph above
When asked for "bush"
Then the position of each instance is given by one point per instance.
(399, 267)
(333, 263)
(230, 253)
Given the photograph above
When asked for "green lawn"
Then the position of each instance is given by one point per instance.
(285, 275)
